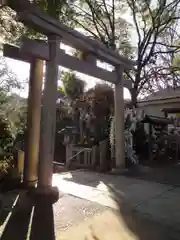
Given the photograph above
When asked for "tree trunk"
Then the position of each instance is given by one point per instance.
(134, 97)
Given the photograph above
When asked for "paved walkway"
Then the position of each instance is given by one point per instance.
(169, 174)
(128, 204)
(97, 206)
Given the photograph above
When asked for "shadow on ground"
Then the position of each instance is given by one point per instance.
(36, 221)
(28, 221)
(165, 175)
(142, 226)
(6, 205)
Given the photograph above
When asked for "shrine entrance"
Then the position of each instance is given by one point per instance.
(42, 120)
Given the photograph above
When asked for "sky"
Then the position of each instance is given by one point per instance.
(21, 70)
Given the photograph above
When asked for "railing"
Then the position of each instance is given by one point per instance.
(88, 157)
(76, 157)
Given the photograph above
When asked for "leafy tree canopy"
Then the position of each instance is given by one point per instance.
(73, 86)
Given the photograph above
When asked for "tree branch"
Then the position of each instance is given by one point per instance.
(86, 29)
(132, 6)
(107, 14)
(129, 76)
(97, 19)
(91, 18)
(166, 45)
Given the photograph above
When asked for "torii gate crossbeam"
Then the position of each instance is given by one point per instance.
(42, 22)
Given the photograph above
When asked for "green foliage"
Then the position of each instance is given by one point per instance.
(98, 104)
(6, 162)
(21, 121)
(61, 93)
(3, 167)
(11, 30)
(8, 80)
(3, 101)
(15, 110)
(101, 100)
(102, 20)
(73, 86)
(12, 108)
(6, 137)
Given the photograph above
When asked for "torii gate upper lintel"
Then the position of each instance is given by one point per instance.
(34, 18)
(31, 51)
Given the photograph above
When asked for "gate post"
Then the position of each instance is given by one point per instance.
(48, 123)
(119, 120)
(33, 123)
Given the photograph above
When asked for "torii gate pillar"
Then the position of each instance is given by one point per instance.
(33, 122)
(48, 121)
(119, 120)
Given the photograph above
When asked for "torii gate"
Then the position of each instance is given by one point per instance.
(35, 52)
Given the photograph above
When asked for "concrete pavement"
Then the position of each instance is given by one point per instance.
(97, 206)
(129, 202)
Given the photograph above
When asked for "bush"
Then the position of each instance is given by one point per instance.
(6, 163)
(6, 136)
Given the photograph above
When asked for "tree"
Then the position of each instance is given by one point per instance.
(13, 115)
(20, 119)
(170, 59)
(74, 89)
(8, 79)
(6, 137)
(10, 105)
(151, 21)
(101, 100)
(11, 30)
(102, 20)
(73, 86)
(176, 67)
(165, 73)
(98, 19)
(8, 82)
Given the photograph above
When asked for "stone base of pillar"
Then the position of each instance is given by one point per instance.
(48, 194)
(29, 184)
